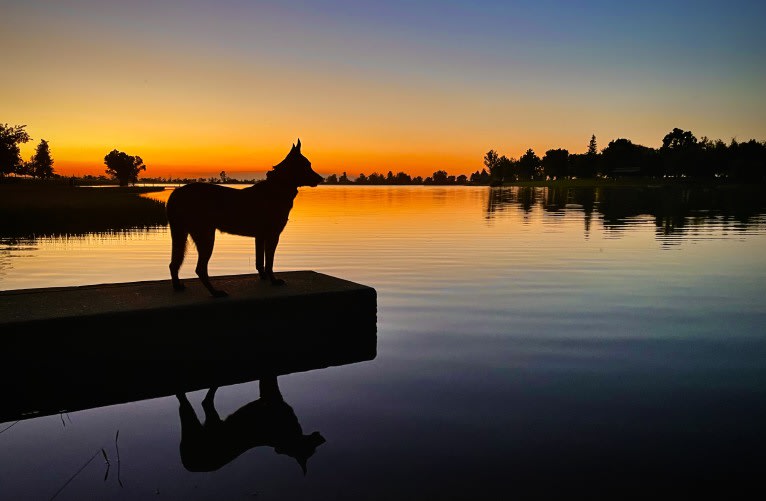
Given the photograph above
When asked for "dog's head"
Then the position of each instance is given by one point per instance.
(295, 169)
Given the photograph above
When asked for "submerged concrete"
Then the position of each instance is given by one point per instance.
(70, 348)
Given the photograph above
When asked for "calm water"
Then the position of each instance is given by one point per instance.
(530, 342)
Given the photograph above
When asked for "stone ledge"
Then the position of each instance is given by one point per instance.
(70, 348)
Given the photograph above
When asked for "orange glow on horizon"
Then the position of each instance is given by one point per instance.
(251, 164)
(254, 162)
(229, 87)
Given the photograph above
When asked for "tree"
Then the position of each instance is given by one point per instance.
(492, 162)
(223, 176)
(123, 167)
(505, 168)
(582, 165)
(592, 147)
(331, 179)
(713, 157)
(440, 177)
(376, 178)
(529, 164)
(586, 164)
(41, 164)
(679, 139)
(622, 157)
(10, 139)
(402, 178)
(480, 177)
(555, 163)
(680, 152)
(748, 160)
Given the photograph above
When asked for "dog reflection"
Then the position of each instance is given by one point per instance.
(268, 421)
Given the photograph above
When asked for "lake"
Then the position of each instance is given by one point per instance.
(531, 342)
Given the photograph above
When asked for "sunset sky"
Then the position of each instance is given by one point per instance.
(198, 87)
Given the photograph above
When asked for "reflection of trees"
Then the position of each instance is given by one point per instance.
(674, 209)
(548, 199)
(500, 199)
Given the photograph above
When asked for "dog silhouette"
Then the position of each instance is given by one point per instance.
(260, 211)
(268, 421)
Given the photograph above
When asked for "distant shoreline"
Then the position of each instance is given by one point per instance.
(149, 185)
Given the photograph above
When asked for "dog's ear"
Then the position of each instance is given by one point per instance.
(298, 146)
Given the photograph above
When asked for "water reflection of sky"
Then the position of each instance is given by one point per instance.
(517, 352)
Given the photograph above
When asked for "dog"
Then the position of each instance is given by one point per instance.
(260, 211)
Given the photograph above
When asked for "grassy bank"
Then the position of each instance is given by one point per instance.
(49, 208)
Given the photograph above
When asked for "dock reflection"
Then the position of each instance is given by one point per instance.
(98, 374)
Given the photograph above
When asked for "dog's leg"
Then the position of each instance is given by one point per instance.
(208, 405)
(259, 258)
(178, 236)
(190, 425)
(205, 242)
(271, 247)
(269, 389)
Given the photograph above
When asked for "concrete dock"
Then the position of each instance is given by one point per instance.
(70, 348)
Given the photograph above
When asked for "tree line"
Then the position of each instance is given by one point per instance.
(120, 166)
(681, 155)
(11, 137)
(440, 177)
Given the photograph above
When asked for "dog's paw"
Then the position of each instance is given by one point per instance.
(219, 293)
(179, 287)
(277, 281)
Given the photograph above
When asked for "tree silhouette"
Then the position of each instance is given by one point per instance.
(41, 164)
(505, 167)
(529, 164)
(555, 163)
(680, 152)
(592, 147)
(440, 177)
(492, 162)
(402, 178)
(679, 139)
(748, 160)
(622, 157)
(123, 167)
(10, 139)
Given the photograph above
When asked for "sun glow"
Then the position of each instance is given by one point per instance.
(197, 90)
